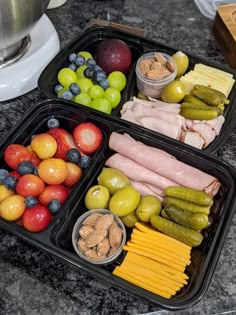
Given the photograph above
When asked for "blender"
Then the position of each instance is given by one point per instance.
(28, 41)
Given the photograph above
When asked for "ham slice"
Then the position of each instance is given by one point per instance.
(144, 190)
(167, 167)
(172, 130)
(138, 173)
(168, 107)
(193, 138)
(165, 118)
(206, 132)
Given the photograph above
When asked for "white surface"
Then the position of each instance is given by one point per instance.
(209, 7)
(55, 3)
(22, 76)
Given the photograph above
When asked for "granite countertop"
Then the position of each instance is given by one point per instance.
(34, 282)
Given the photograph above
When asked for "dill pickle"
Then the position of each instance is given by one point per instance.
(209, 95)
(189, 194)
(200, 106)
(186, 205)
(198, 114)
(183, 234)
(193, 99)
(196, 221)
(164, 214)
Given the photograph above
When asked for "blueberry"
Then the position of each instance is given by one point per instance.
(54, 205)
(3, 175)
(84, 161)
(72, 66)
(52, 123)
(30, 201)
(35, 171)
(88, 72)
(67, 95)
(73, 156)
(104, 83)
(99, 75)
(10, 182)
(91, 62)
(96, 68)
(72, 57)
(57, 88)
(25, 167)
(80, 60)
(74, 88)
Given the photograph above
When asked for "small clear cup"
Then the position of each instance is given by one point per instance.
(153, 87)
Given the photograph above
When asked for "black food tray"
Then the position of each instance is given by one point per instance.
(90, 38)
(56, 239)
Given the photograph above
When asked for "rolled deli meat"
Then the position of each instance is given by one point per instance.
(164, 164)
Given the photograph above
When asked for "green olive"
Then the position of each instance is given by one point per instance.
(124, 201)
(113, 179)
(130, 220)
(182, 62)
(97, 197)
(173, 92)
(148, 205)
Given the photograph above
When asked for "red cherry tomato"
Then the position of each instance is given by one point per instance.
(36, 219)
(16, 153)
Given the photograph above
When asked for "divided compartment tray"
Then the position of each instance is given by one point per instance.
(89, 39)
(56, 239)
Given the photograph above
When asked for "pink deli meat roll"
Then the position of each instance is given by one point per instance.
(168, 167)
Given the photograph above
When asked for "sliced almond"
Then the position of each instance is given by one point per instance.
(104, 222)
(95, 237)
(91, 219)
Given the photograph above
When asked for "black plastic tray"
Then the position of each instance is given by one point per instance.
(90, 38)
(56, 239)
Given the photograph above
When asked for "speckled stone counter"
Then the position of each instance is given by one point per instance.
(33, 282)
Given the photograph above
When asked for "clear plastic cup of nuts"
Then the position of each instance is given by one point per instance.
(154, 70)
(99, 236)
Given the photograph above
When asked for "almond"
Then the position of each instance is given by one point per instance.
(95, 237)
(170, 66)
(103, 247)
(113, 250)
(81, 245)
(91, 220)
(104, 222)
(158, 73)
(156, 65)
(115, 235)
(159, 57)
(144, 66)
(85, 230)
(92, 254)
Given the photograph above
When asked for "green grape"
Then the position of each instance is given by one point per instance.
(113, 96)
(66, 76)
(85, 84)
(83, 98)
(101, 104)
(96, 91)
(117, 80)
(85, 54)
(80, 71)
